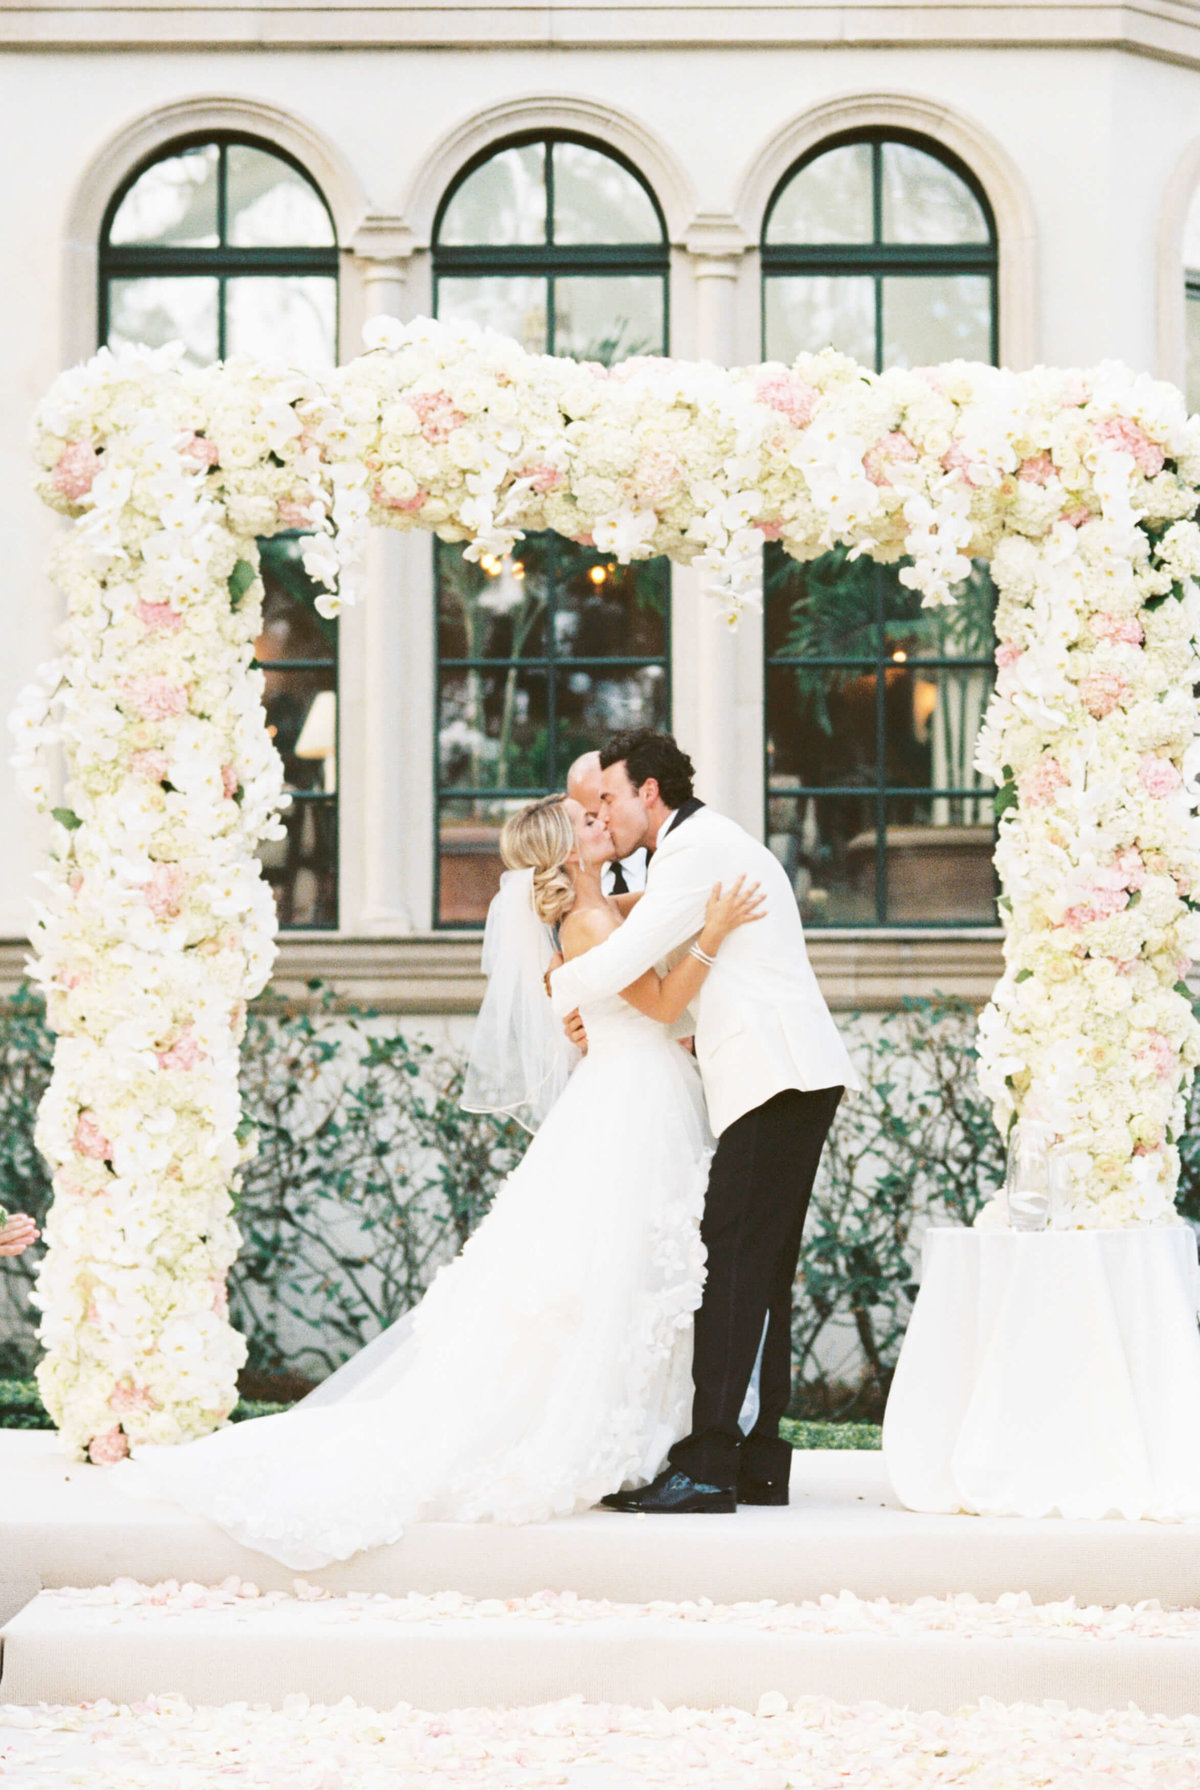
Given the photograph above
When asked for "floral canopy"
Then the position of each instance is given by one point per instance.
(1080, 489)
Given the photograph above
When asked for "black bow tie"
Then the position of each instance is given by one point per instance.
(619, 885)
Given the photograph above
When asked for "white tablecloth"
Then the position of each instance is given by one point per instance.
(1051, 1374)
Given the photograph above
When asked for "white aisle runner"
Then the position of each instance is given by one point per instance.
(1054, 1373)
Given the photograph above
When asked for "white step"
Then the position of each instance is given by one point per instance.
(68, 1524)
(64, 1650)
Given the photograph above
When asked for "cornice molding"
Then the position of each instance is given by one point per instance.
(1164, 29)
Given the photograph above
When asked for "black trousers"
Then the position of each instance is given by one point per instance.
(758, 1191)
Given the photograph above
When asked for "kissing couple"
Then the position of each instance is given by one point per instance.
(595, 1339)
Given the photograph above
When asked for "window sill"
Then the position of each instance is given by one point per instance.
(439, 973)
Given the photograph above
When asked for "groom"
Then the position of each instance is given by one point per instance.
(774, 1069)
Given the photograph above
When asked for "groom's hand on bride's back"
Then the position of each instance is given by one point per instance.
(575, 1029)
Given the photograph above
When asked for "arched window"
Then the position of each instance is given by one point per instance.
(560, 244)
(883, 248)
(1191, 293)
(227, 246)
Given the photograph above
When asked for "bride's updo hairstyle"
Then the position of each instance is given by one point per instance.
(541, 838)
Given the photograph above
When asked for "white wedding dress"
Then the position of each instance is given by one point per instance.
(548, 1364)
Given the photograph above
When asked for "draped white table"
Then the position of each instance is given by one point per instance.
(1054, 1373)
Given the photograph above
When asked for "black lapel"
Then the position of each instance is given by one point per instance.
(684, 812)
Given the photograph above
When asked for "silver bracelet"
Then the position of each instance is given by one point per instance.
(706, 960)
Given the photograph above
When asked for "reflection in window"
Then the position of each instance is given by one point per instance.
(543, 654)
(297, 653)
(229, 248)
(1191, 288)
(874, 704)
(885, 250)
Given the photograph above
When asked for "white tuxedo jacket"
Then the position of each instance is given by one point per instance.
(761, 1022)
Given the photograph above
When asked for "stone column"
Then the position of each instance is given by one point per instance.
(725, 710)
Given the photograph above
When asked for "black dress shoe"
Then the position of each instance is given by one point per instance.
(672, 1493)
(761, 1491)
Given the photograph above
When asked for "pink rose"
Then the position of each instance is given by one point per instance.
(584, 540)
(165, 891)
(75, 470)
(439, 418)
(406, 505)
(155, 697)
(656, 475)
(890, 450)
(1038, 469)
(1124, 628)
(1042, 782)
(1128, 437)
(1007, 654)
(150, 763)
(199, 448)
(1098, 904)
(158, 618)
(293, 514)
(1077, 515)
(129, 1397)
(790, 396)
(229, 781)
(1158, 776)
(1074, 392)
(956, 459)
(1103, 691)
(770, 531)
(220, 1298)
(1130, 867)
(542, 477)
(109, 1447)
(1159, 1052)
(187, 1052)
(89, 1140)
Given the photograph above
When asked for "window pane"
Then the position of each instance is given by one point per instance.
(1192, 315)
(608, 318)
(493, 730)
(270, 204)
(515, 305)
(808, 312)
(821, 842)
(938, 862)
(932, 721)
(959, 630)
(493, 611)
(502, 202)
(302, 720)
(469, 862)
(289, 317)
(592, 705)
(603, 609)
(932, 318)
(597, 200)
(302, 867)
(173, 202)
(158, 310)
(292, 629)
(925, 201)
(821, 725)
(824, 608)
(828, 201)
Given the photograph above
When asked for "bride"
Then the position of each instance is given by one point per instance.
(550, 1362)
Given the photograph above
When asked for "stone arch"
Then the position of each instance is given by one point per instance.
(1007, 194)
(1177, 201)
(580, 117)
(139, 140)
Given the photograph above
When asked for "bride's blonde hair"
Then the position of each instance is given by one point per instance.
(541, 838)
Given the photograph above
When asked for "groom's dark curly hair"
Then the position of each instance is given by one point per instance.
(645, 753)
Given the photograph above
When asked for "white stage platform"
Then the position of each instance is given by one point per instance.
(63, 1523)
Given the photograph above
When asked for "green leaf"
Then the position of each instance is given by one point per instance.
(1023, 976)
(240, 580)
(1183, 989)
(1006, 798)
(67, 817)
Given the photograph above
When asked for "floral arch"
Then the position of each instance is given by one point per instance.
(156, 928)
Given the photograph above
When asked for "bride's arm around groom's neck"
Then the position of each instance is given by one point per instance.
(670, 912)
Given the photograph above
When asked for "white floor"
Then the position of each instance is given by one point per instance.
(62, 1523)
